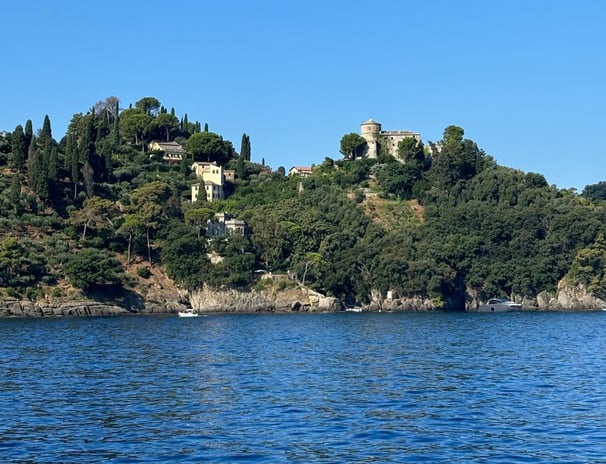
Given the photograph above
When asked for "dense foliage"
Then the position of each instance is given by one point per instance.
(436, 222)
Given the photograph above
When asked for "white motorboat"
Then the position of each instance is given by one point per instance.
(187, 313)
(499, 305)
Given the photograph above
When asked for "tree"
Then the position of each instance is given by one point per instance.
(37, 171)
(131, 225)
(589, 267)
(595, 192)
(184, 256)
(21, 262)
(110, 104)
(410, 150)
(45, 132)
(352, 145)
(88, 178)
(29, 132)
(91, 268)
(245, 147)
(116, 129)
(166, 125)
(15, 193)
(240, 169)
(210, 147)
(147, 203)
(135, 124)
(198, 217)
(72, 161)
(19, 148)
(458, 159)
(149, 105)
(96, 212)
(399, 179)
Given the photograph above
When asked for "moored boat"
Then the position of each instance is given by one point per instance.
(499, 305)
(187, 313)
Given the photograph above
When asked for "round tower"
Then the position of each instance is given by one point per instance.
(370, 131)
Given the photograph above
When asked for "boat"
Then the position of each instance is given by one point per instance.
(499, 305)
(187, 313)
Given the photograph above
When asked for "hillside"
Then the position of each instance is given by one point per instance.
(104, 213)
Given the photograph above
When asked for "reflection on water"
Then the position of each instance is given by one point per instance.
(353, 387)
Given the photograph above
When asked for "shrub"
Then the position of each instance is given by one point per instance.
(144, 272)
(93, 268)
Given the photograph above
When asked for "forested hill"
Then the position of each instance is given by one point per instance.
(96, 210)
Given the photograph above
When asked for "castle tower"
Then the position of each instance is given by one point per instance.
(370, 131)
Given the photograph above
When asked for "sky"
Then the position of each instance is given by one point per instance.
(524, 78)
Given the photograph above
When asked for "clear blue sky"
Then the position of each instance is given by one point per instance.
(524, 79)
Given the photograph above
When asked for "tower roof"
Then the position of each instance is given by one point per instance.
(371, 121)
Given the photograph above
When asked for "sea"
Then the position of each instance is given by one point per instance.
(435, 387)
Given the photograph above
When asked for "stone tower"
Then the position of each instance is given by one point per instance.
(387, 141)
(370, 131)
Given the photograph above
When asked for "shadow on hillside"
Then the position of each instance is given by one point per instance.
(119, 296)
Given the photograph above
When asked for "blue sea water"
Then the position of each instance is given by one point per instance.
(330, 388)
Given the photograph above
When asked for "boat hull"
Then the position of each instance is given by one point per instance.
(187, 314)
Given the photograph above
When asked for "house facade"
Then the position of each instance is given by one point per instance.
(172, 152)
(225, 224)
(213, 179)
(301, 171)
(377, 139)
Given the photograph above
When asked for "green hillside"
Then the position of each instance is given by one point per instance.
(96, 211)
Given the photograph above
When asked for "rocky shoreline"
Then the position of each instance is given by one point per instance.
(292, 300)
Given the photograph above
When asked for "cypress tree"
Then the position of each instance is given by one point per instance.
(245, 147)
(69, 150)
(15, 193)
(75, 170)
(53, 166)
(29, 133)
(33, 166)
(19, 148)
(205, 127)
(240, 167)
(117, 125)
(45, 133)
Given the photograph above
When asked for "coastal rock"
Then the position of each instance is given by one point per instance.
(329, 304)
(25, 308)
(576, 297)
(407, 304)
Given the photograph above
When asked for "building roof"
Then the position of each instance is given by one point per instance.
(371, 121)
(170, 147)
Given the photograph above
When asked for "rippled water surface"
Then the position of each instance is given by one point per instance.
(353, 387)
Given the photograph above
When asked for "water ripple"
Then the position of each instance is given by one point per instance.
(524, 387)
